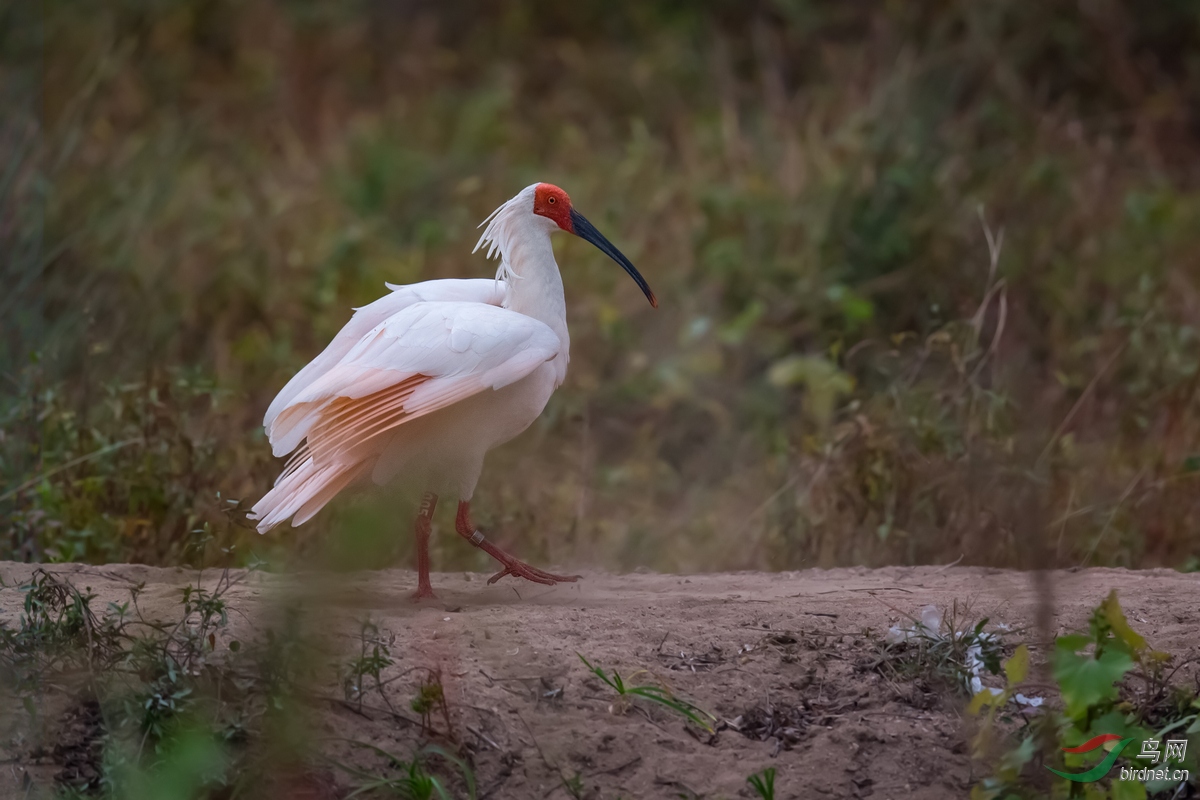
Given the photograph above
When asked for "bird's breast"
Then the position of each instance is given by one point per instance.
(446, 449)
(514, 408)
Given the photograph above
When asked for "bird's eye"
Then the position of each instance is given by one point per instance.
(550, 200)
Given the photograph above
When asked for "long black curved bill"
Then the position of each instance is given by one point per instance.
(585, 230)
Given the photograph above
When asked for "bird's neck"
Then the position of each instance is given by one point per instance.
(535, 286)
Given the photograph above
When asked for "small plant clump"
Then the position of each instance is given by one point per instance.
(413, 779)
(157, 696)
(151, 704)
(373, 658)
(948, 647)
(763, 783)
(573, 785)
(1111, 683)
(653, 693)
(431, 699)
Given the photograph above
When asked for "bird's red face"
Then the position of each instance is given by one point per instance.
(551, 202)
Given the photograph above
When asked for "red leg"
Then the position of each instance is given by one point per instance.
(424, 522)
(512, 566)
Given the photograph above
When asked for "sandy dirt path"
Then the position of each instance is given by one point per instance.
(795, 645)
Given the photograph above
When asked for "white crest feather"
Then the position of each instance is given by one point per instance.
(497, 235)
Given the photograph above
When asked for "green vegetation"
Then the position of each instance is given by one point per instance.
(927, 270)
(144, 689)
(413, 781)
(574, 785)
(763, 783)
(181, 709)
(947, 647)
(653, 693)
(374, 657)
(431, 697)
(1111, 682)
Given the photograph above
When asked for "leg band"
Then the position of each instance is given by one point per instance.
(476, 538)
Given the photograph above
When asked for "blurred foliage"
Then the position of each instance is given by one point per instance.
(848, 367)
(133, 706)
(1111, 682)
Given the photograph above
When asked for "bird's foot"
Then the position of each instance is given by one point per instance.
(519, 569)
(512, 565)
(424, 592)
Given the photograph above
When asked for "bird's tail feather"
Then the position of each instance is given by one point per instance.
(302, 491)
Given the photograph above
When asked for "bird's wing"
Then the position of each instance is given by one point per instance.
(425, 357)
(472, 290)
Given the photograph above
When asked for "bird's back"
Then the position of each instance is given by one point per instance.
(429, 377)
(476, 290)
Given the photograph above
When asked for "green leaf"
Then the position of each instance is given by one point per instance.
(982, 700)
(763, 783)
(1087, 681)
(1016, 759)
(822, 379)
(1016, 669)
(1072, 642)
(463, 767)
(734, 332)
(1111, 609)
(1127, 790)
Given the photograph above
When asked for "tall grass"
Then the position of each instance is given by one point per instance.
(929, 271)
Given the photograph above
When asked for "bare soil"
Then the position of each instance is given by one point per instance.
(784, 660)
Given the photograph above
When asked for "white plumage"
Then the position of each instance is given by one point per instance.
(423, 382)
